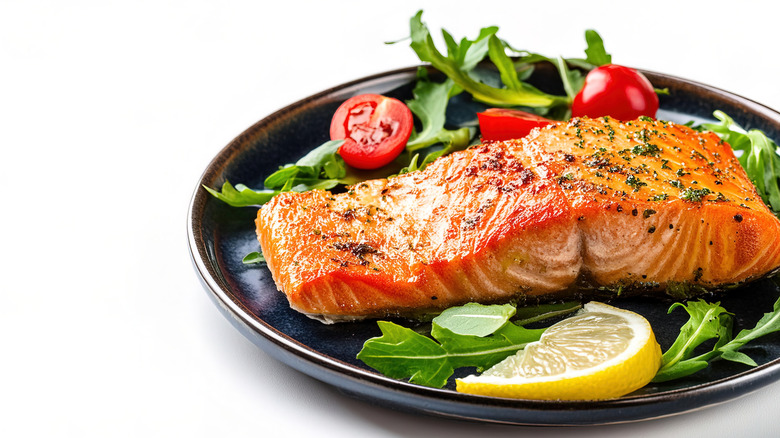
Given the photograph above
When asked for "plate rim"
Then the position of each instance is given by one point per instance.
(355, 381)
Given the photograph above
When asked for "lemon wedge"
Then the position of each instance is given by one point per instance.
(601, 352)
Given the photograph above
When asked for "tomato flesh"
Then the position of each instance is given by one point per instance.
(375, 129)
(615, 91)
(498, 124)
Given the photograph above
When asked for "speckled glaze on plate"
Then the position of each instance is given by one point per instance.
(220, 236)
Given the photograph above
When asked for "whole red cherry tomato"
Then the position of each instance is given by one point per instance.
(376, 129)
(504, 124)
(615, 91)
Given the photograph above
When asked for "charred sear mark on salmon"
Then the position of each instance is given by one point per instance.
(495, 181)
(484, 207)
(492, 163)
(472, 221)
(338, 235)
(358, 250)
(526, 176)
(342, 263)
(348, 214)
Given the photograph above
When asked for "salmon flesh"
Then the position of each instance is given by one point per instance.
(585, 205)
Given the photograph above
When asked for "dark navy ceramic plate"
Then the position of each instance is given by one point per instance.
(220, 236)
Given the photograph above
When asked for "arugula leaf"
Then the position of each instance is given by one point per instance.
(596, 53)
(253, 258)
(402, 353)
(460, 140)
(769, 323)
(412, 166)
(241, 195)
(320, 169)
(483, 352)
(706, 321)
(462, 58)
(506, 67)
(430, 106)
(573, 80)
(759, 156)
(281, 176)
(475, 319)
(322, 155)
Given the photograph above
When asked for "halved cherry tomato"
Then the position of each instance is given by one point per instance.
(376, 129)
(615, 91)
(504, 124)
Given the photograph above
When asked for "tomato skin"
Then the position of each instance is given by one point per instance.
(615, 91)
(375, 129)
(498, 124)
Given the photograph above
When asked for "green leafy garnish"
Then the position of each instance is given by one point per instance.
(458, 341)
(402, 353)
(430, 106)
(241, 195)
(572, 79)
(596, 53)
(253, 258)
(462, 58)
(412, 166)
(759, 156)
(769, 323)
(708, 321)
(320, 169)
(475, 319)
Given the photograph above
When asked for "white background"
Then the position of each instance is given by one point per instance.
(109, 113)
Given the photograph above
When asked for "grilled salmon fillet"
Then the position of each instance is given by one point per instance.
(640, 206)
